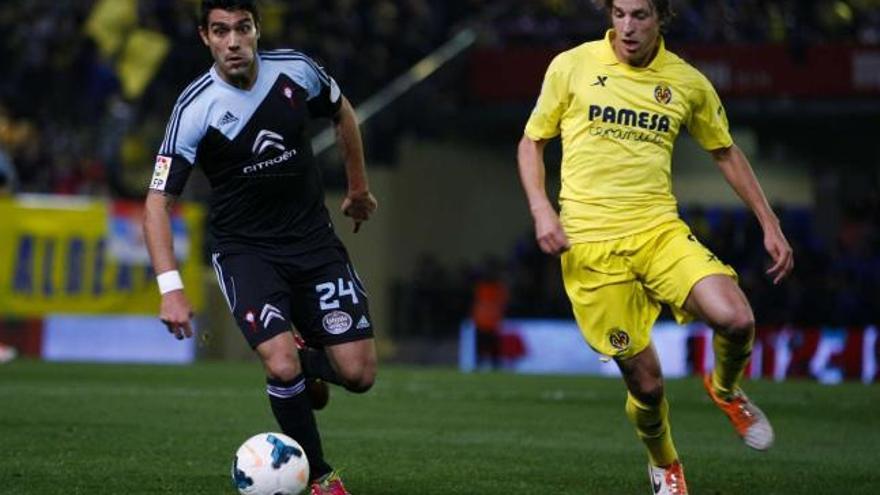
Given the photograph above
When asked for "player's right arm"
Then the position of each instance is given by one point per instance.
(543, 125)
(174, 163)
(532, 171)
(175, 310)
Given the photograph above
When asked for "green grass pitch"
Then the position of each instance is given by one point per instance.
(107, 429)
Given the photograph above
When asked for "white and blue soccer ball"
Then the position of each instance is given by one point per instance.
(270, 464)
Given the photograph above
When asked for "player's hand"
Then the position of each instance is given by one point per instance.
(359, 206)
(176, 313)
(780, 251)
(548, 232)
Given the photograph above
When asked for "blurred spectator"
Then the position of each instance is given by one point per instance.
(489, 306)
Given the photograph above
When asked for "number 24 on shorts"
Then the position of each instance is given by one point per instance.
(331, 293)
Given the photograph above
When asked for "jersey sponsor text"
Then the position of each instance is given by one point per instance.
(624, 116)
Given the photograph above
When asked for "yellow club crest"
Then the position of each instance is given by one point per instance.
(663, 94)
(619, 339)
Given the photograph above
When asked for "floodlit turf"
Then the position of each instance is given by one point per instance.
(102, 429)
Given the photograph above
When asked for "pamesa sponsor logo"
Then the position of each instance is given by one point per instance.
(649, 121)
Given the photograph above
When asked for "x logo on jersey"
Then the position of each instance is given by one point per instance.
(600, 81)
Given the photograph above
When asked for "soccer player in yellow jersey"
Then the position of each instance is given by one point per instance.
(619, 104)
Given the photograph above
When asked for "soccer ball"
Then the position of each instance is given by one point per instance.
(270, 464)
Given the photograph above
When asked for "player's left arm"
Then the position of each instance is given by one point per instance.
(359, 203)
(739, 174)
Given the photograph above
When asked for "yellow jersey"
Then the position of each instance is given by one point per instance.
(618, 125)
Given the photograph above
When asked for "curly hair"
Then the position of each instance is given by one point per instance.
(662, 7)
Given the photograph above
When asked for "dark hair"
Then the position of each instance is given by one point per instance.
(209, 5)
(662, 7)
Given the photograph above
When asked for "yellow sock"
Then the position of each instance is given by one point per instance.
(652, 427)
(731, 358)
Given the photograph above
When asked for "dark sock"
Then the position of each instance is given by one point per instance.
(293, 411)
(316, 364)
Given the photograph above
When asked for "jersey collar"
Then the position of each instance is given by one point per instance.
(608, 57)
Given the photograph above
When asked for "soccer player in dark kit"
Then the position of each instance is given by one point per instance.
(278, 261)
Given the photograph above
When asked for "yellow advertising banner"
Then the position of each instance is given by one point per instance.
(87, 256)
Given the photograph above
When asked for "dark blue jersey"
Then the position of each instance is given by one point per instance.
(267, 193)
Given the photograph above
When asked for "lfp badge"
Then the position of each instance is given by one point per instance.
(160, 173)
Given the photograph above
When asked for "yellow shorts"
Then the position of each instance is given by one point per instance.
(616, 286)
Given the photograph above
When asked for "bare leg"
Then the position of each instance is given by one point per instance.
(719, 302)
(646, 407)
(355, 364)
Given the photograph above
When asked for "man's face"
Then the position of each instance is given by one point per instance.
(232, 37)
(637, 31)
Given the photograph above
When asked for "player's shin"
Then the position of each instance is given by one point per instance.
(294, 414)
(731, 357)
(652, 427)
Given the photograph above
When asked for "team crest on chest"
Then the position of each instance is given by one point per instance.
(663, 94)
(619, 339)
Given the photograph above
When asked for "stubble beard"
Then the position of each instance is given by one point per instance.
(242, 76)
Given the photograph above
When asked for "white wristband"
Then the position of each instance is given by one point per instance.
(169, 281)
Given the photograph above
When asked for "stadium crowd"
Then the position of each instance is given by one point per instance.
(714, 21)
(67, 128)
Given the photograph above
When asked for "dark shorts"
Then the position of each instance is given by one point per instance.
(488, 342)
(326, 303)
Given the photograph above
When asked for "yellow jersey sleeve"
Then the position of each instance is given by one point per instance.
(708, 121)
(552, 103)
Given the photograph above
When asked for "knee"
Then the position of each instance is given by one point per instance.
(283, 367)
(650, 393)
(737, 324)
(358, 377)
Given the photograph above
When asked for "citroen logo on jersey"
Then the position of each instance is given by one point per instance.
(600, 81)
(268, 139)
(268, 314)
